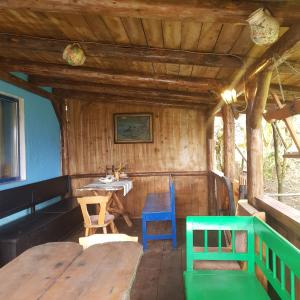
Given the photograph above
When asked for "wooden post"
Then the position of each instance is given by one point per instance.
(210, 150)
(254, 148)
(264, 80)
(64, 140)
(228, 139)
(210, 146)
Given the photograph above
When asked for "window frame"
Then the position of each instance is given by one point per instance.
(20, 138)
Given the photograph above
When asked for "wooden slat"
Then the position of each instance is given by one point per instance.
(146, 54)
(208, 11)
(172, 39)
(95, 75)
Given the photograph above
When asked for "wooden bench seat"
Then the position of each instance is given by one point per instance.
(272, 253)
(159, 207)
(157, 203)
(216, 285)
(52, 223)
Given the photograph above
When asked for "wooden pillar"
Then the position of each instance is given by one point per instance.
(210, 146)
(229, 142)
(64, 141)
(210, 150)
(257, 93)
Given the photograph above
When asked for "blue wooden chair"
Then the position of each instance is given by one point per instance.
(159, 207)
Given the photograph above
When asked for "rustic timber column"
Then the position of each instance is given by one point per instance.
(210, 146)
(64, 140)
(229, 142)
(210, 150)
(257, 94)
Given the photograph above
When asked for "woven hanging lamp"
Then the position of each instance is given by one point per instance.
(264, 27)
(74, 55)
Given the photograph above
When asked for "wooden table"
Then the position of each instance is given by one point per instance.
(64, 271)
(115, 205)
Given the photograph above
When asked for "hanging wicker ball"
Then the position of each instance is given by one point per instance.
(74, 55)
(264, 27)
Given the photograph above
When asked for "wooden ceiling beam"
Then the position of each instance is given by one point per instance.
(136, 53)
(220, 11)
(105, 98)
(100, 76)
(286, 111)
(66, 84)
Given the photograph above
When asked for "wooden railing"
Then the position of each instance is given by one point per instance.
(221, 200)
(283, 218)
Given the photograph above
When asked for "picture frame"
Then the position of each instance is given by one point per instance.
(133, 128)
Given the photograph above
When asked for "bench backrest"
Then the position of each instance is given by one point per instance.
(282, 259)
(14, 200)
(275, 256)
(48, 189)
(172, 194)
(27, 196)
(219, 224)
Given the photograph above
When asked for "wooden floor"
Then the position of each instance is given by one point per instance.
(159, 276)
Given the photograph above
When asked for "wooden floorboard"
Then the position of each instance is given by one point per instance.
(159, 276)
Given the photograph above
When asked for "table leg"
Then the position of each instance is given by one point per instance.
(120, 209)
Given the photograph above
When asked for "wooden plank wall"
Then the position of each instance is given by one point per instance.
(179, 148)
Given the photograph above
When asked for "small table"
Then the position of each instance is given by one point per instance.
(115, 205)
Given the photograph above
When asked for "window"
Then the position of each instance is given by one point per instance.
(11, 140)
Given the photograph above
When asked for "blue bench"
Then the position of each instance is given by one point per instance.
(159, 207)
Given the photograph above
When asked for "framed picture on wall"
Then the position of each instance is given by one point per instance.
(133, 128)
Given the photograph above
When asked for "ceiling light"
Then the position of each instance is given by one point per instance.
(229, 96)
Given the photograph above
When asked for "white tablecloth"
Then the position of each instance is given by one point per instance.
(126, 185)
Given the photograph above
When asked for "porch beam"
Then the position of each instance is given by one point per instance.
(77, 85)
(100, 76)
(106, 98)
(135, 53)
(287, 110)
(220, 11)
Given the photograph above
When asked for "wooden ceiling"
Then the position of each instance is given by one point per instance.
(169, 52)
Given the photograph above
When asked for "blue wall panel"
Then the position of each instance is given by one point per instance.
(42, 137)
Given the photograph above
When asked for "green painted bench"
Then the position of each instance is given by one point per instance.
(278, 260)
